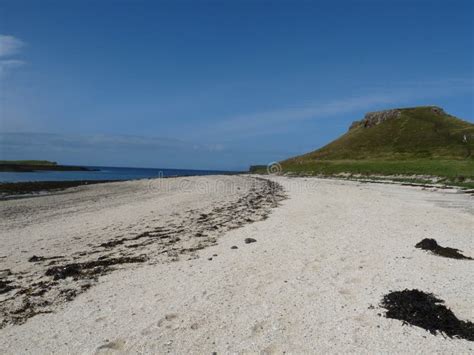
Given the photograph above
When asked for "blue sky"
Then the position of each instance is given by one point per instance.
(219, 84)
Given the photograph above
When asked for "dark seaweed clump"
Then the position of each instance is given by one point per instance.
(5, 286)
(424, 310)
(35, 258)
(435, 248)
(90, 268)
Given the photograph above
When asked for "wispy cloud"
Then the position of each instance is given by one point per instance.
(9, 47)
(120, 150)
(267, 122)
(97, 141)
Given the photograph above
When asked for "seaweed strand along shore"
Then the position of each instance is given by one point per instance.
(46, 282)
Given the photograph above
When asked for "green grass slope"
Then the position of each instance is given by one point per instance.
(416, 133)
(420, 140)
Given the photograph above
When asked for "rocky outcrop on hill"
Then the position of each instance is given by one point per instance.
(372, 119)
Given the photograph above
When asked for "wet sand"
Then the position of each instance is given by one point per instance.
(230, 264)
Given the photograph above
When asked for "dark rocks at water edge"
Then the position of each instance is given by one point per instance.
(249, 240)
(435, 248)
(19, 188)
(424, 310)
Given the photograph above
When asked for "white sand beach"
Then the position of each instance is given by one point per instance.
(325, 254)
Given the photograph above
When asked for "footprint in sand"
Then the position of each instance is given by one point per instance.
(257, 328)
(167, 321)
(113, 345)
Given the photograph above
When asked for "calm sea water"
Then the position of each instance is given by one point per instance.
(103, 173)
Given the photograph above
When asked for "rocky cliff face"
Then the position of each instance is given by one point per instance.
(372, 119)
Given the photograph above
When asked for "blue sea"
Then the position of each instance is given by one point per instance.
(102, 173)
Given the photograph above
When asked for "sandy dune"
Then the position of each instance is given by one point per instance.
(312, 281)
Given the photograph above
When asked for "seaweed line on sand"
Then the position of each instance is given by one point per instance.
(53, 281)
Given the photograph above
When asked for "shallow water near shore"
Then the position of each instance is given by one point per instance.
(102, 173)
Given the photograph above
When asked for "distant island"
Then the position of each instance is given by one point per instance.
(26, 166)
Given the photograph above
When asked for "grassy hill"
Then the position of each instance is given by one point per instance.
(421, 132)
(407, 141)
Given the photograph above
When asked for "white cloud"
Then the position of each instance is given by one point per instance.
(9, 46)
(100, 142)
(9, 64)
